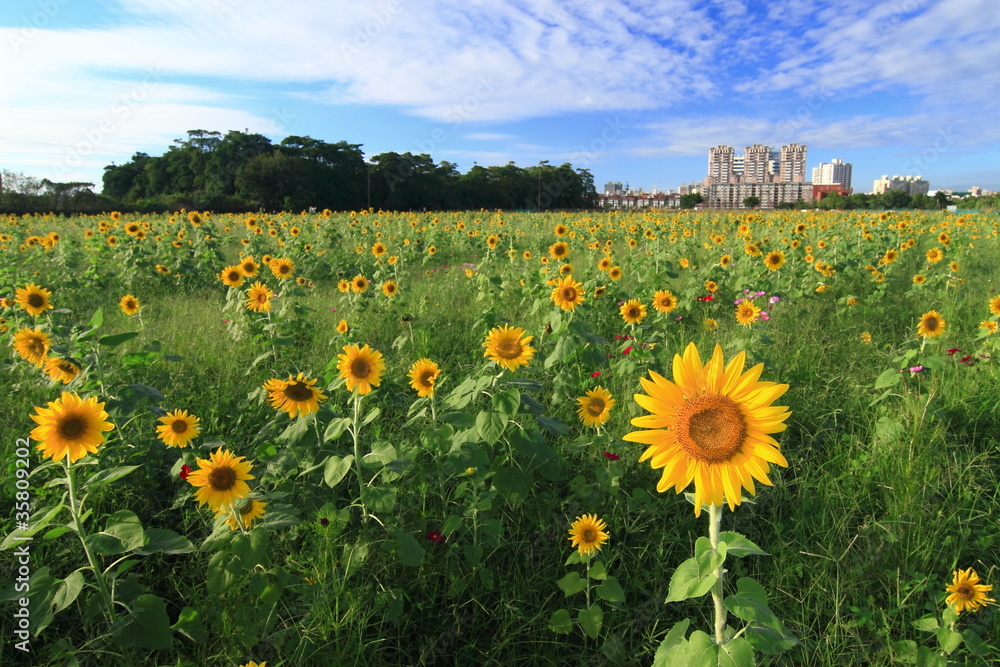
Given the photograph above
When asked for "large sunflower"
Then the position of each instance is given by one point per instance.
(232, 276)
(931, 324)
(70, 426)
(248, 266)
(508, 347)
(129, 305)
(259, 298)
(34, 299)
(32, 345)
(221, 480)
(747, 312)
(63, 370)
(664, 301)
(567, 294)
(633, 311)
(361, 368)
(423, 375)
(774, 260)
(588, 534)
(712, 426)
(178, 428)
(296, 395)
(595, 406)
(967, 594)
(249, 510)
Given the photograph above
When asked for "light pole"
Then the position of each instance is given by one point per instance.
(541, 165)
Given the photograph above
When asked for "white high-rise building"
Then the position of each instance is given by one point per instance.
(835, 172)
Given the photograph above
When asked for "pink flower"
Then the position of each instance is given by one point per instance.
(611, 457)
(435, 536)
(775, 299)
(916, 369)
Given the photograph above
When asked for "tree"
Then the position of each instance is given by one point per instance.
(691, 200)
(751, 202)
(943, 200)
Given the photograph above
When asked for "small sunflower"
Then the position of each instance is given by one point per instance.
(919, 279)
(615, 273)
(423, 375)
(259, 298)
(866, 338)
(604, 264)
(178, 428)
(390, 288)
(967, 594)
(931, 324)
(129, 305)
(343, 327)
(359, 284)
(62, 370)
(508, 347)
(595, 406)
(33, 299)
(221, 479)
(282, 268)
(774, 260)
(710, 324)
(588, 534)
(248, 266)
(361, 368)
(711, 286)
(747, 312)
(664, 301)
(378, 249)
(561, 230)
(633, 311)
(232, 276)
(70, 427)
(934, 255)
(33, 345)
(725, 261)
(248, 510)
(296, 395)
(567, 294)
(344, 286)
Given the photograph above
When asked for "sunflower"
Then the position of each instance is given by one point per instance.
(711, 286)
(492, 240)
(259, 298)
(989, 326)
(423, 375)
(431, 249)
(390, 288)
(595, 406)
(599, 291)
(32, 345)
(967, 594)
(588, 533)
(567, 294)
(62, 370)
(774, 260)
(248, 511)
(526, 254)
(232, 276)
(282, 267)
(508, 347)
(919, 279)
(561, 230)
(995, 305)
(559, 250)
(747, 312)
(944, 239)
(378, 249)
(710, 324)
(296, 395)
(178, 428)
(953, 266)
(359, 284)
(71, 427)
(361, 368)
(633, 311)
(931, 324)
(343, 327)
(934, 255)
(33, 299)
(248, 266)
(664, 301)
(615, 273)
(344, 286)
(111, 240)
(566, 269)
(221, 480)
(129, 305)
(711, 425)
(604, 264)
(162, 269)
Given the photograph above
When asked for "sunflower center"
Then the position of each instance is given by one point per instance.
(67, 367)
(179, 426)
(261, 297)
(222, 478)
(509, 348)
(36, 346)
(931, 324)
(427, 379)
(234, 276)
(596, 406)
(36, 300)
(589, 536)
(284, 268)
(569, 294)
(246, 507)
(710, 428)
(633, 312)
(965, 591)
(360, 368)
(298, 391)
(72, 428)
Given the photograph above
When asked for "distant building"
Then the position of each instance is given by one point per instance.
(836, 172)
(629, 199)
(731, 195)
(911, 185)
(792, 167)
(612, 188)
(757, 164)
(821, 191)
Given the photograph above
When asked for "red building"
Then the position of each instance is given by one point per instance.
(822, 191)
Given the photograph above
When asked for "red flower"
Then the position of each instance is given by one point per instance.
(953, 351)
(595, 374)
(627, 350)
(966, 360)
(611, 457)
(435, 536)
(185, 471)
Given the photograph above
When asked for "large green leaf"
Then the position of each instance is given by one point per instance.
(611, 590)
(688, 582)
(408, 550)
(149, 625)
(738, 545)
(572, 583)
(189, 624)
(561, 622)
(336, 469)
(591, 620)
(490, 425)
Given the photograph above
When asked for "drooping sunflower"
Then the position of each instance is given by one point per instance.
(282, 267)
(423, 375)
(249, 510)
(712, 426)
(297, 395)
(33, 345)
(595, 406)
(967, 594)
(232, 276)
(390, 288)
(567, 294)
(178, 428)
(664, 301)
(599, 291)
(259, 298)
(747, 312)
(359, 284)
(221, 479)
(361, 368)
(633, 311)
(559, 250)
(129, 305)
(931, 324)
(588, 534)
(70, 426)
(343, 327)
(63, 370)
(774, 260)
(33, 298)
(508, 347)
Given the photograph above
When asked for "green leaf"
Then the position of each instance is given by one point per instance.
(560, 622)
(117, 339)
(222, 572)
(189, 624)
(750, 603)
(123, 533)
(591, 620)
(335, 429)
(701, 651)
(473, 554)
(97, 319)
(490, 426)
(336, 469)
(739, 546)
(770, 641)
(451, 524)
(709, 559)
(673, 638)
(379, 498)
(597, 570)
(948, 640)
(107, 476)
(926, 624)
(688, 582)
(371, 416)
(149, 626)
(251, 548)
(297, 430)
(736, 653)
(890, 377)
(507, 402)
(611, 590)
(572, 583)
(552, 425)
(512, 483)
(68, 590)
(408, 549)
(906, 650)
(166, 541)
(928, 658)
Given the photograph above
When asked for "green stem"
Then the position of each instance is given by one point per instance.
(357, 450)
(714, 523)
(76, 512)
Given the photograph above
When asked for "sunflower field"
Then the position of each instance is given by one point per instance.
(497, 438)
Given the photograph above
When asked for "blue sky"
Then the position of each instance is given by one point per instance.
(634, 91)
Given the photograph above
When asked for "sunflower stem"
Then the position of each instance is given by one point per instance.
(714, 524)
(357, 453)
(76, 512)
